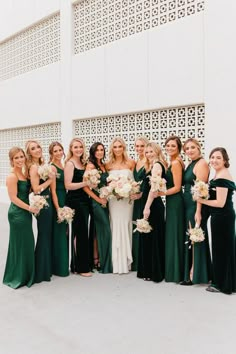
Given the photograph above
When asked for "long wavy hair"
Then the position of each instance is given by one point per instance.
(83, 158)
(29, 160)
(50, 149)
(159, 156)
(92, 158)
(111, 154)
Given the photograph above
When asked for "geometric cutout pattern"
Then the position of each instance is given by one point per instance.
(37, 46)
(99, 22)
(44, 134)
(156, 125)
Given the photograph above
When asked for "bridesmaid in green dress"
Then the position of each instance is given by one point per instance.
(197, 256)
(60, 240)
(175, 222)
(78, 200)
(19, 270)
(39, 185)
(222, 214)
(139, 175)
(102, 231)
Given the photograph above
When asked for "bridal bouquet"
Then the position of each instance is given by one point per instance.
(38, 201)
(121, 186)
(196, 234)
(200, 189)
(157, 183)
(142, 225)
(92, 177)
(45, 170)
(65, 214)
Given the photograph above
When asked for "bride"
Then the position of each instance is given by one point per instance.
(120, 210)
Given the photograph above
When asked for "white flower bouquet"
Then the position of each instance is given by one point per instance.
(38, 201)
(92, 177)
(45, 170)
(142, 226)
(121, 186)
(157, 183)
(200, 189)
(196, 234)
(65, 214)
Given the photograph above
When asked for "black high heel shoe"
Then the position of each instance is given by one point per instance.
(96, 264)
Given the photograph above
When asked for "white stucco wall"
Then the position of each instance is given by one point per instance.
(188, 61)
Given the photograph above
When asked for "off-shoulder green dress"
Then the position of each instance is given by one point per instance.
(223, 238)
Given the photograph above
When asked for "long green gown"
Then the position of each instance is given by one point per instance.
(200, 250)
(79, 201)
(223, 238)
(102, 230)
(175, 233)
(137, 214)
(43, 250)
(151, 261)
(19, 270)
(60, 236)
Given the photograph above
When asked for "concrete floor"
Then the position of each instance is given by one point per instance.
(112, 314)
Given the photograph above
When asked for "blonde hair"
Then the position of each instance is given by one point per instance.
(143, 139)
(29, 161)
(111, 154)
(83, 158)
(12, 152)
(194, 141)
(159, 155)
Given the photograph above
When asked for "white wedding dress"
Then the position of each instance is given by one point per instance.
(121, 212)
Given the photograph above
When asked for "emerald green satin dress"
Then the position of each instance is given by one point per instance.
(202, 269)
(60, 234)
(223, 238)
(139, 176)
(175, 233)
(102, 229)
(19, 270)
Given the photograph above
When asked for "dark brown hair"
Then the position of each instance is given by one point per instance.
(175, 138)
(224, 155)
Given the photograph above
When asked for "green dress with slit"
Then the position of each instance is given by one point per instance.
(60, 234)
(139, 176)
(19, 270)
(175, 233)
(200, 251)
(102, 229)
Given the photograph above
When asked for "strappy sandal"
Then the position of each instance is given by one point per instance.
(96, 264)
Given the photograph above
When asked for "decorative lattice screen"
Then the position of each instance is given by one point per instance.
(156, 125)
(37, 46)
(44, 134)
(98, 22)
